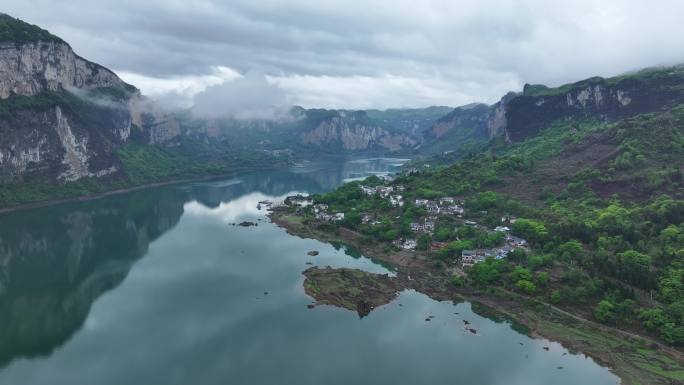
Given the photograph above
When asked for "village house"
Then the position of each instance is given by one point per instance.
(471, 223)
(424, 226)
(367, 190)
(429, 226)
(422, 202)
(409, 244)
(298, 201)
(384, 191)
(399, 188)
(433, 209)
(508, 219)
(397, 201)
(366, 219)
(446, 201)
(471, 257)
(323, 217)
(516, 241)
(467, 258)
(453, 209)
(502, 229)
(502, 252)
(417, 227)
(320, 208)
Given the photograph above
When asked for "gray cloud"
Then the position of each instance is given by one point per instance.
(248, 97)
(405, 53)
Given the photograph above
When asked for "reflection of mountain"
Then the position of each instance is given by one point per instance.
(55, 262)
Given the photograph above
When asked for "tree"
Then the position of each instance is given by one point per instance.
(672, 285)
(605, 312)
(530, 229)
(517, 255)
(520, 273)
(424, 242)
(672, 333)
(634, 267)
(526, 286)
(457, 280)
(454, 249)
(442, 234)
(571, 251)
(542, 278)
(352, 219)
(488, 272)
(653, 318)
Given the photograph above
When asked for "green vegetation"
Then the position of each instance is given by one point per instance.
(601, 205)
(19, 32)
(667, 77)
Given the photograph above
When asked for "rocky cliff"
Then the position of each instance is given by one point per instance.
(606, 100)
(520, 115)
(354, 131)
(61, 116)
(33, 67)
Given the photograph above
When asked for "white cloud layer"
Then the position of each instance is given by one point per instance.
(359, 54)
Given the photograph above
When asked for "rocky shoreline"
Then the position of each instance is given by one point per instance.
(623, 352)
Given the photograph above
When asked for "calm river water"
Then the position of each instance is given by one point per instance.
(156, 287)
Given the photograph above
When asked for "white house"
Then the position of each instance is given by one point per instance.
(422, 202)
(446, 200)
(397, 200)
(409, 244)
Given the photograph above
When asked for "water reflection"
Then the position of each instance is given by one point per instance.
(56, 261)
(195, 309)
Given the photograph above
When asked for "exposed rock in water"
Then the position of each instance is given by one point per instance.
(247, 224)
(351, 289)
(312, 253)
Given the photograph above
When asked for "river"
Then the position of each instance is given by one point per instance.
(158, 287)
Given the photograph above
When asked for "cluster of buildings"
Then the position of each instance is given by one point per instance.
(427, 225)
(471, 257)
(321, 214)
(298, 201)
(386, 192)
(407, 244)
(442, 206)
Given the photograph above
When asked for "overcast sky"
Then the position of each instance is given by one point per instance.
(360, 54)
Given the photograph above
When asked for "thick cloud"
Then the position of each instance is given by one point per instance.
(341, 53)
(248, 97)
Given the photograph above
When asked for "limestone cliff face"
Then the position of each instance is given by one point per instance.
(354, 132)
(30, 68)
(61, 117)
(607, 100)
(56, 143)
(521, 115)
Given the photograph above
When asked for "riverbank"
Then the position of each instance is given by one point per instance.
(635, 359)
(124, 190)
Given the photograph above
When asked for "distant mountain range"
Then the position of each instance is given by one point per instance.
(70, 126)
